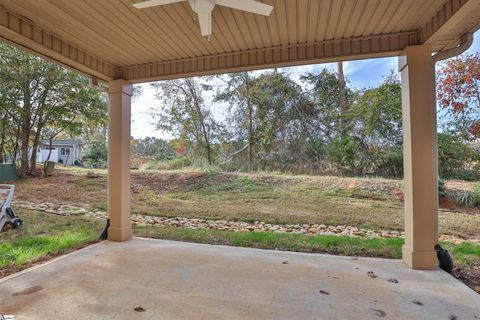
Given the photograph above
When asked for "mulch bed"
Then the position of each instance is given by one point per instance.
(470, 275)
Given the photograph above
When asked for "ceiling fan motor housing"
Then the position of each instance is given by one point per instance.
(202, 6)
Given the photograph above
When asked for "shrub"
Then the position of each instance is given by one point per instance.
(154, 148)
(467, 175)
(442, 190)
(174, 164)
(477, 188)
(468, 199)
(342, 152)
(96, 154)
(389, 162)
(456, 158)
(246, 183)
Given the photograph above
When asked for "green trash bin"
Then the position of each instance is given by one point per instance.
(50, 168)
(8, 172)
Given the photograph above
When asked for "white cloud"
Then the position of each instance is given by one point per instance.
(142, 121)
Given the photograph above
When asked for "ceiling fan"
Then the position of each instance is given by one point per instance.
(204, 8)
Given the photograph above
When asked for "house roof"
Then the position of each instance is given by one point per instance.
(110, 39)
(62, 142)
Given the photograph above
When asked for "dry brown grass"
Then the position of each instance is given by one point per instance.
(373, 203)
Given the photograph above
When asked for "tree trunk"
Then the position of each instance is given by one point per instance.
(15, 145)
(2, 142)
(25, 135)
(36, 142)
(251, 140)
(250, 135)
(66, 159)
(48, 157)
(201, 119)
(207, 140)
(209, 154)
(342, 99)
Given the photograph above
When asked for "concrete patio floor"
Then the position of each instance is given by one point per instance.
(175, 280)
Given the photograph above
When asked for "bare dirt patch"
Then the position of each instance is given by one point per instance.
(469, 274)
(460, 185)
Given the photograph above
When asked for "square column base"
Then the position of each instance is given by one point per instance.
(420, 260)
(119, 234)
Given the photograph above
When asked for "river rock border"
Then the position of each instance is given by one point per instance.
(221, 225)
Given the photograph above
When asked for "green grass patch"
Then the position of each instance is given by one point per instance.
(349, 246)
(234, 184)
(174, 164)
(43, 235)
(23, 250)
(464, 253)
(90, 184)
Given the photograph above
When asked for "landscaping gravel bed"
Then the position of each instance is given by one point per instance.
(221, 225)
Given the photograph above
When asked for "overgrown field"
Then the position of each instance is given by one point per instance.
(362, 202)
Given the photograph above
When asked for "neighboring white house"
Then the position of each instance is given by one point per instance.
(63, 151)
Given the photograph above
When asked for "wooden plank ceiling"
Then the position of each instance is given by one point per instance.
(111, 39)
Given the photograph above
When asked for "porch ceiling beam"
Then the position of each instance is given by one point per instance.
(309, 53)
(450, 15)
(22, 32)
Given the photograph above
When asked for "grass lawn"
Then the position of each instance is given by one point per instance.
(464, 253)
(347, 246)
(361, 202)
(43, 236)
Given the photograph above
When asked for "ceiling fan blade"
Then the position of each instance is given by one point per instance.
(153, 3)
(247, 5)
(205, 21)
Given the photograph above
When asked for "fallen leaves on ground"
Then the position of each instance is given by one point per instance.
(139, 309)
(379, 313)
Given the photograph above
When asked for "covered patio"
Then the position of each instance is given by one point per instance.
(174, 280)
(118, 45)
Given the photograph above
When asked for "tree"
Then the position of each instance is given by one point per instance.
(330, 119)
(280, 105)
(242, 110)
(96, 154)
(330, 103)
(458, 94)
(184, 113)
(40, 95)
(152, 147)
(379, 110)
(263, 109)
(377, 118)
(456, 158)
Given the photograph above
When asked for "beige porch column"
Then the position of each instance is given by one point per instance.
(120, 93)
(420, 157)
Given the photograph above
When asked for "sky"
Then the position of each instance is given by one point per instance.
(360, 74)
